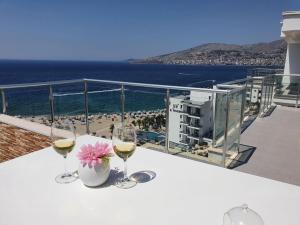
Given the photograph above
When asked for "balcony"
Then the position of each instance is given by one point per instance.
(186, 121)
(163, 165)
(195, 125)
(192, 113)
(76, 100)
(194, 135)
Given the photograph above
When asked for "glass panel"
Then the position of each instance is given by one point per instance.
(247, 105)
(219, 128)
(263, 97)
(145, 108)
(234, 122)
(104, 105)
(255, 96)
(30, 103)
(69, 104)
(286, 90)
(267, 94)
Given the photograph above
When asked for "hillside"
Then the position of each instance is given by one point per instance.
(271, 53)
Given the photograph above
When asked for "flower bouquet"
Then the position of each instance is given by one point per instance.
(94, 167)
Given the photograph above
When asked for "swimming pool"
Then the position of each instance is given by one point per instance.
(149, 135)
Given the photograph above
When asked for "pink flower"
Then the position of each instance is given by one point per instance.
(92, 155)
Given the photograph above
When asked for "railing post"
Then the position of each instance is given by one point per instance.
(86, 107)
(213, 100)
(167, 120)
(51, 101)
(261, 98)
(270, 92)
(4, 108)
(297, 97)
(244, 96)
(272, 88)
(266, 91)
(251, 90)
(122, 104)
(226, 129)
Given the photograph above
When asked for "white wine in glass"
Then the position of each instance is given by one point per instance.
(124, 150)
(63, 139)
(124, 144)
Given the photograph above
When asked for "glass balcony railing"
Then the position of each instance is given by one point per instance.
(157, 112)
(287, 90)
(265, 90)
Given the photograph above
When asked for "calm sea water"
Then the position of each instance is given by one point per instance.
(34, 101)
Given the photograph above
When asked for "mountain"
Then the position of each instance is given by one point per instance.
(271, 53)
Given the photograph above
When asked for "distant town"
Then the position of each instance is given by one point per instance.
(261, 54)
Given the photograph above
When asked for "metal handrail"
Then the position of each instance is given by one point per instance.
(39, 84)
(147, 85)
(288, 75)
(157, 86)
(235, 81)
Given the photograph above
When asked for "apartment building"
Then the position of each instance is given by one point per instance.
(191, 118)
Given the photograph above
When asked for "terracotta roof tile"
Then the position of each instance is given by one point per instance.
(15, 142)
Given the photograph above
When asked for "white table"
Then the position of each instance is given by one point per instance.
(184, 192)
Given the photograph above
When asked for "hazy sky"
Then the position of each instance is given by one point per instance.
(114, 30)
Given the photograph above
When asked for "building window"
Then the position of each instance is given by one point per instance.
(180, 116)
(180, 126)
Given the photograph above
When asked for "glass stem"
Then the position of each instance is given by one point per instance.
(125, 169)
(65, 164)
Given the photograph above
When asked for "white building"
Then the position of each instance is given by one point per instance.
(290, 31)
(190, 118)
(254, 90)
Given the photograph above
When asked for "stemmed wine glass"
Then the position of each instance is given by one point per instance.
(124, 144)
(63, 139)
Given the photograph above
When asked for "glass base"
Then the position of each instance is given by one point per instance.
(65, 178)
(125, 183)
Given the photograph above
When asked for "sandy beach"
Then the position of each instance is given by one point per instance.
(100, 124)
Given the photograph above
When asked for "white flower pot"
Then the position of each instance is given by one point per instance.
(94, 176)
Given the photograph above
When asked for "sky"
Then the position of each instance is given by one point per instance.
(118, 30)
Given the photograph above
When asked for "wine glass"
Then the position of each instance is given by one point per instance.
(63, 139)
(124, 144)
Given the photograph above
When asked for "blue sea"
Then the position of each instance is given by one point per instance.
(35, 101)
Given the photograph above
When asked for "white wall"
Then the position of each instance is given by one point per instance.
(290, 31)
(292, 65)
(200, 96)
(174, 119)
(206, 119)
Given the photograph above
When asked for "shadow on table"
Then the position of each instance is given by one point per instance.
(139, 177)
(243, 156)
(143, 176)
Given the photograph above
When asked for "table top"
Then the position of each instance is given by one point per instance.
(183, 192)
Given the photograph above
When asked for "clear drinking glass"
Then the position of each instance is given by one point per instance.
(242, 215)
(63, 139)
(124, 144)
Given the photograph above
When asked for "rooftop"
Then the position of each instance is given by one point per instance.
(273, 144)
(15, 142)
